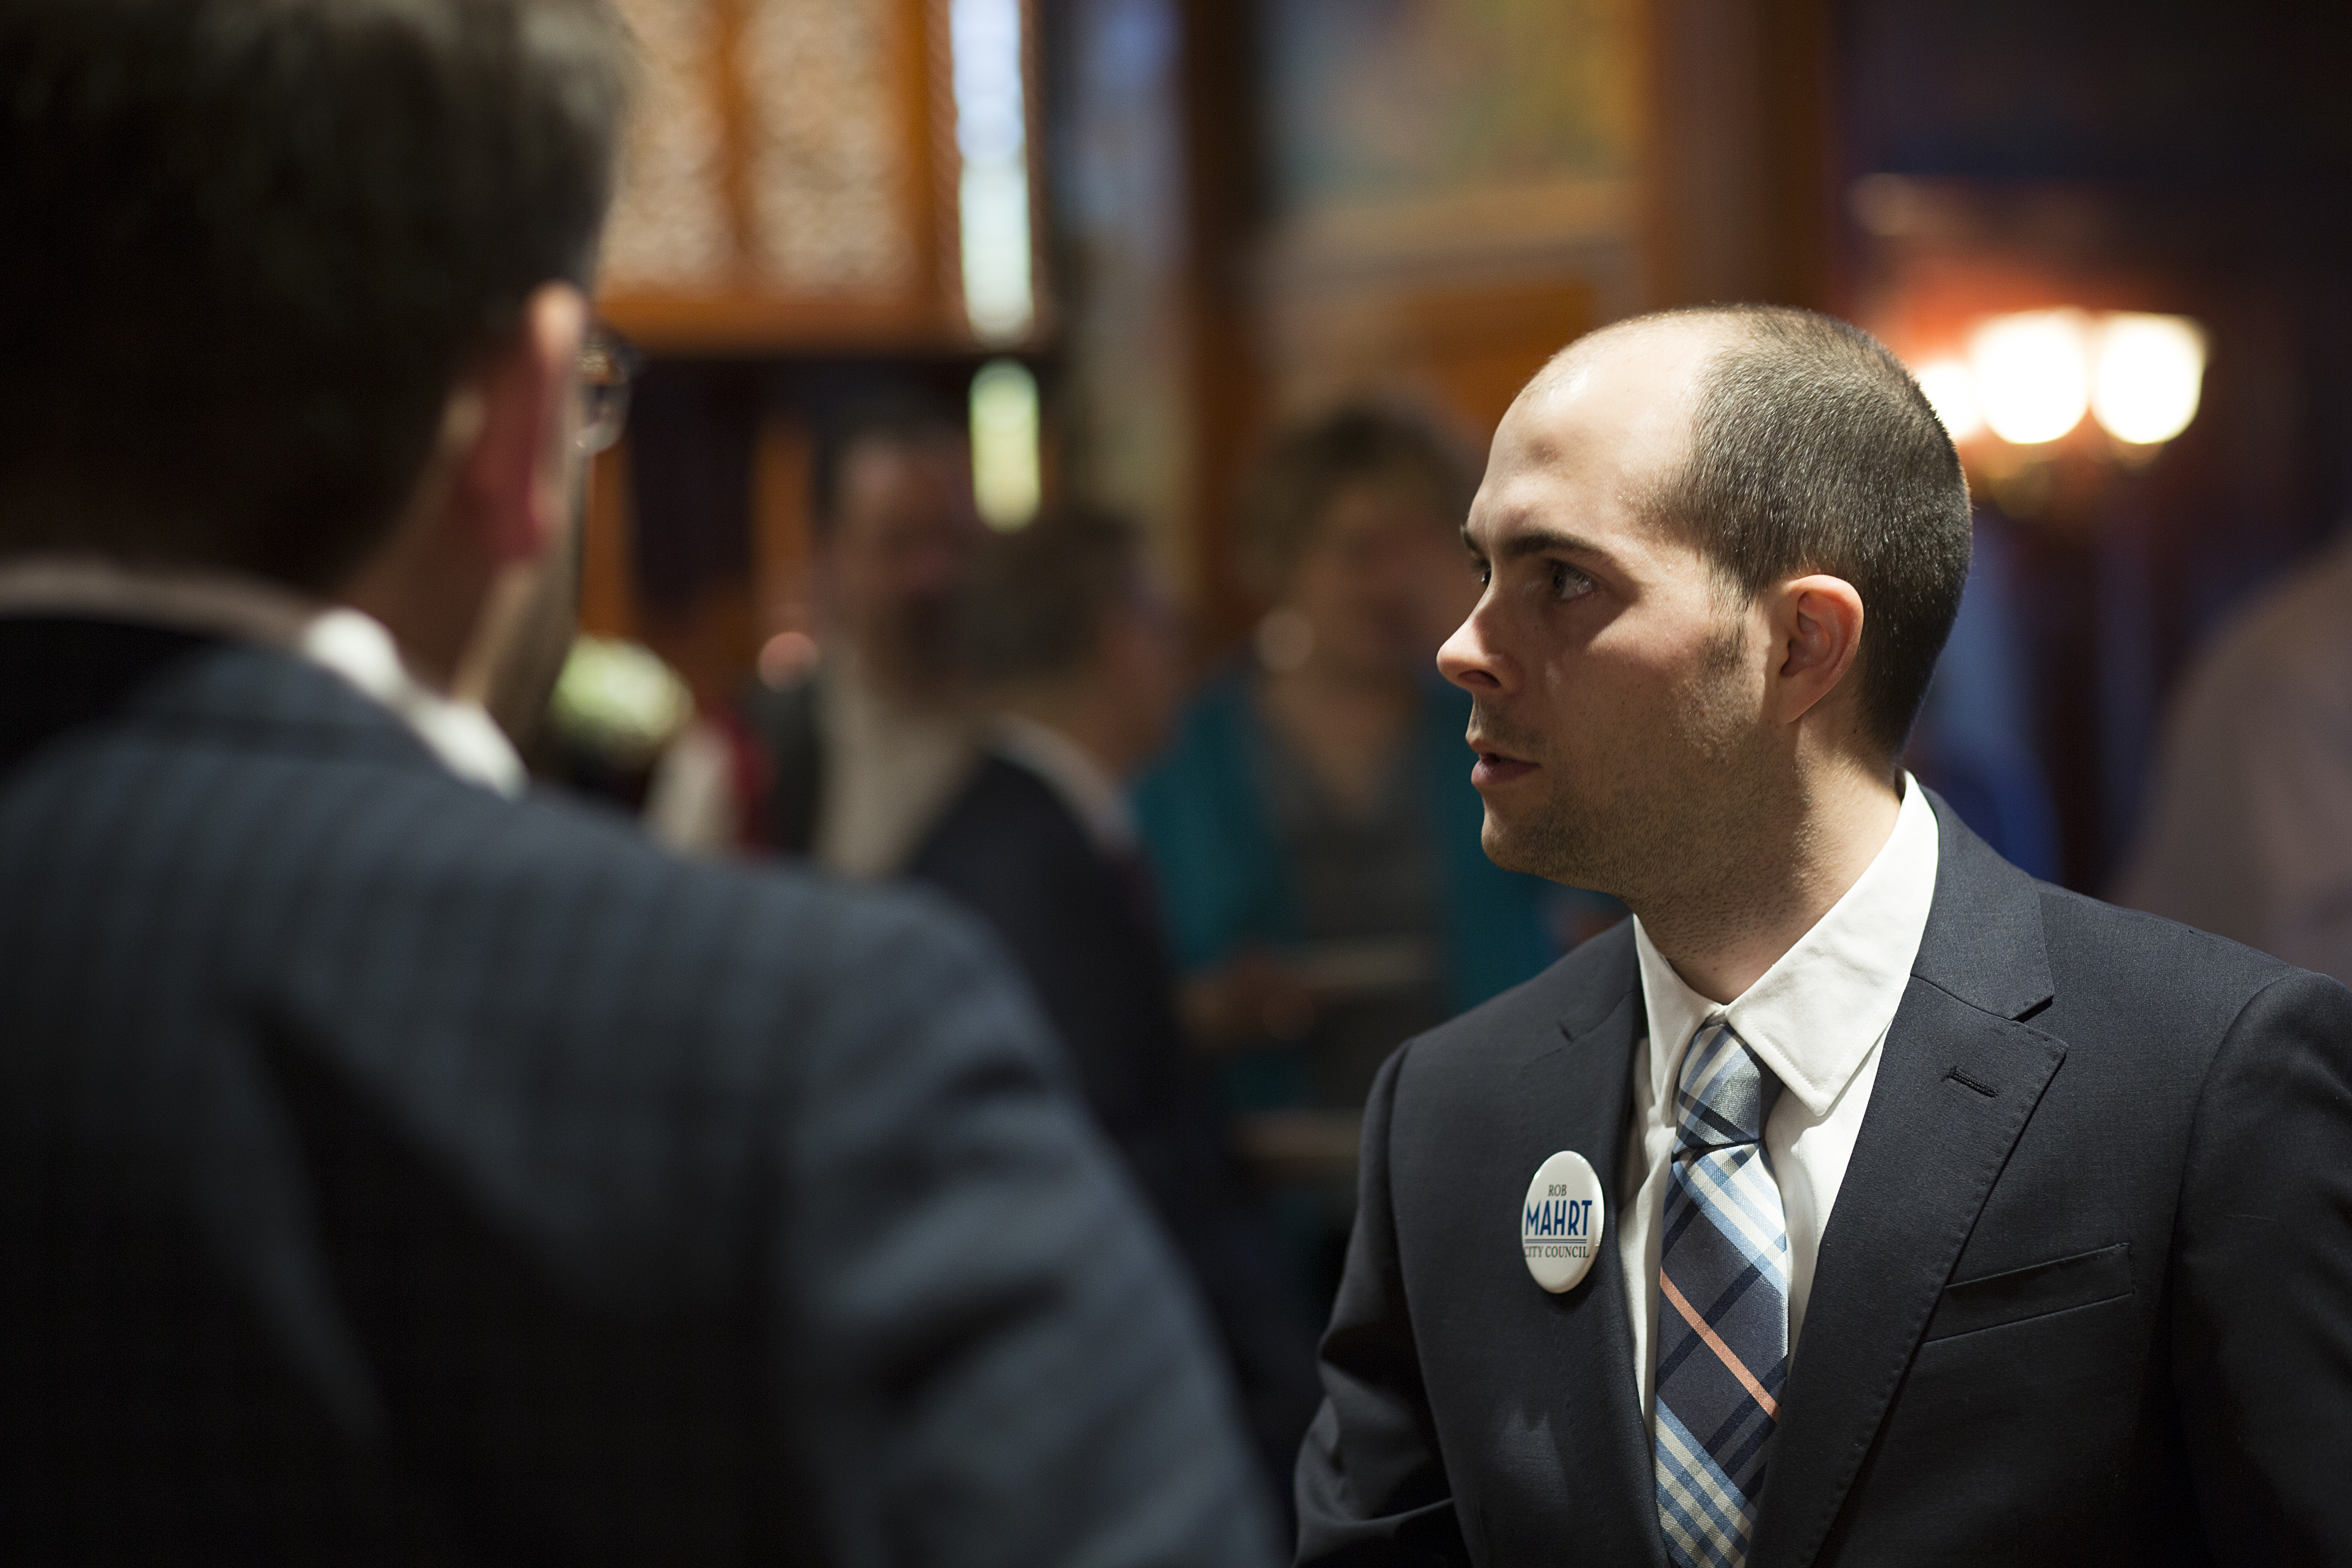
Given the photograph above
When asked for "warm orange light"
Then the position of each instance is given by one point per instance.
(2151, 370)
(1952, 392)
(2030, 377)
(2032, 373)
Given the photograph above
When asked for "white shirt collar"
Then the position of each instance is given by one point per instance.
(1814, 1016)
(1093, 796)
(353, 644)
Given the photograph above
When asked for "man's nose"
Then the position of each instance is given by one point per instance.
(1468, 659)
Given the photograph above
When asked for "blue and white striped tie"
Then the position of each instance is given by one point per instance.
(1723, 1305)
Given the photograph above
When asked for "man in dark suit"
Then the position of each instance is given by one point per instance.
(1079, 653)
(1859, 1200)
(395, 1168)
(857, 754)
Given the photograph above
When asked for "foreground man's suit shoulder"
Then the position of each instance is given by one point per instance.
(392, 1172)
(2085, 1294)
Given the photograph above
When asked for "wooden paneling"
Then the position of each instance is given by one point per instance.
(1420, 202)
(756, 325)
(608, 598)
(1223, 155)
(792, 182)
(1464, 350)
(780, 588)
(1739, 178)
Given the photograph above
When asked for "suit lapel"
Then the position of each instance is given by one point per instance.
(1577, 1096)
(1958, 1079)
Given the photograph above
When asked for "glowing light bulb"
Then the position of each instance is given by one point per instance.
(993, 195)
(2151, 369)
(1951, 391)
(1004, 466)
(2032, 373)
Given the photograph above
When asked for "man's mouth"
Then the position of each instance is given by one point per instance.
(1493, 767)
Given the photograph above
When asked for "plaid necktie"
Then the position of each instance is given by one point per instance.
(1723, 1305)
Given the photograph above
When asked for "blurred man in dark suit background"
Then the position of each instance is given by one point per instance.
(1080, 655)
(857, 758)
(393, 1169)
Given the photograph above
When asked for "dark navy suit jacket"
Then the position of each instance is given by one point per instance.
(392, 1172)
(2085, 1295)
(1081, 926)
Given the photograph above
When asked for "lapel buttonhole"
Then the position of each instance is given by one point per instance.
(1964, 1081)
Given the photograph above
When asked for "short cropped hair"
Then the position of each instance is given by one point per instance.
(1812, 450)
(254, 244)
(898, 419)
(1036, 601)
(1308, 467)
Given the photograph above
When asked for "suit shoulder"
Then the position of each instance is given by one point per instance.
(1000, 794)
(2161, 983)
(332, 852)
(2090, 938)
(1006, 821)
(741, 971)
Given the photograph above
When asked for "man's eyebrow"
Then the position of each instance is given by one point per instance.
(1540, 542)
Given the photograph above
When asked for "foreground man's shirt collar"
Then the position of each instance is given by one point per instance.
(354, 646)
(1814, 1016)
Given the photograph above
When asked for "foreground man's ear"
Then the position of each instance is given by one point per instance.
(495, 498)
(512, 491)
(1815, 626)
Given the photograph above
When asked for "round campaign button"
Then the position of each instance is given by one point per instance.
(1561, 1223)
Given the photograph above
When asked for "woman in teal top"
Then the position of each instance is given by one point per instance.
(1214, 814)
(1313, 831)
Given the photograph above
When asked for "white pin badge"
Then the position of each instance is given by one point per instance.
(1561, 1221)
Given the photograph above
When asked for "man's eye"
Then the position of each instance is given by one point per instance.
(1484, 572)
(1568, 583)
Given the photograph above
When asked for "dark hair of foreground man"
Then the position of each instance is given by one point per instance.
(254, 245)
(391, 1171)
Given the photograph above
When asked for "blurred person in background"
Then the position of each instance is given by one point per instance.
(1078, 654)
(395, 1168)
(1314, 833)
(2248, 829)
(858, 756)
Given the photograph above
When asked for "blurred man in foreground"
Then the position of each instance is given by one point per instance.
(1079, 654)
(395, 1170)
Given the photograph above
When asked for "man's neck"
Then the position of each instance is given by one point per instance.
(900, 679)
(1752, 899)
(431, 601)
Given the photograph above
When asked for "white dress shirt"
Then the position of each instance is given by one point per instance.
(1818, 1020)
(889, 771)
(354, 646)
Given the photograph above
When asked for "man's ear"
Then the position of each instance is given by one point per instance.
(512, 490)
(1816, 630)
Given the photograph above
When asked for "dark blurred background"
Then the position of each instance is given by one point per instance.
(1134, 237)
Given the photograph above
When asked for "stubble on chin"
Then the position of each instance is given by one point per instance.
(1551, 838)
(1561, 841)
(1629, 828)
